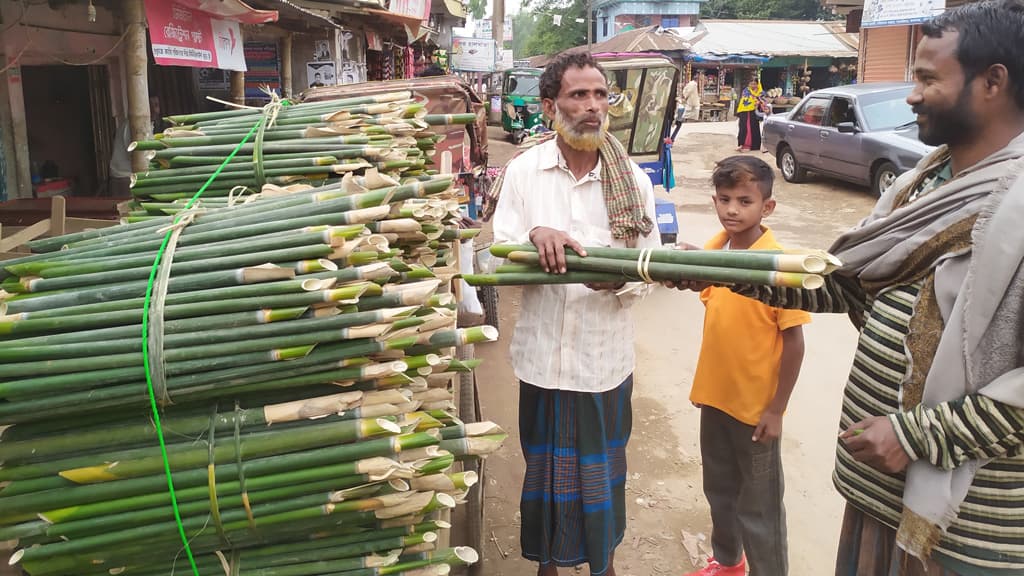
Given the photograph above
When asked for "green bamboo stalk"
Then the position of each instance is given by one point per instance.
(135, 289)
(781, 261)
(660, 271)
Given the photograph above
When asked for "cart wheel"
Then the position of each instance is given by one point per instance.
(469, 411)
(488, 296)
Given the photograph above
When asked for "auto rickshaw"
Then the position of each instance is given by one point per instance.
(520, 102)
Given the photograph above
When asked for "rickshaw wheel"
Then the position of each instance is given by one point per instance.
(469, 411)
(488, 296)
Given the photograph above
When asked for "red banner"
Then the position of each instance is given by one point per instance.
(185, 36)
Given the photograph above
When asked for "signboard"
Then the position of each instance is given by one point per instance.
(419, 9)
(214, 79)
(506, 60)
(484, 29)
(264, 69)
(184, 36)
(900, 12)
(473, 55)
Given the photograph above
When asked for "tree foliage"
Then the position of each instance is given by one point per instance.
(542, 35)
(765, 9)
(476, 8)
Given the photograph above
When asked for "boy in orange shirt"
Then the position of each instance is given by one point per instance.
(749, 362)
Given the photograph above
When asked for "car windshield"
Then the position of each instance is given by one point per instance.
(887, 110)
(524, 85)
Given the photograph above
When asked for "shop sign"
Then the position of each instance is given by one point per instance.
(878, 13)
(484, 29)
(185, 36)
(473, 55)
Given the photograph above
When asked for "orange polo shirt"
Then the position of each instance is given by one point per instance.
(741, 353)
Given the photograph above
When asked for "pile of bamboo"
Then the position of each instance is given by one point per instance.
(305, 343)
(313, 143)
(798, 269)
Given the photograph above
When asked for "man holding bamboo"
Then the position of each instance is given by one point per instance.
(573, 346)
(930, 456)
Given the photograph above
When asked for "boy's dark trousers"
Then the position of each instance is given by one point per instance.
(744, 485)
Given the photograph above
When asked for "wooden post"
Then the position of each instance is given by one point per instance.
(498, 26)
(136, 65)
(286, 65)
(238, 87)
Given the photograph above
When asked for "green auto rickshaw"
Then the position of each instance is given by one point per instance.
(520, 102)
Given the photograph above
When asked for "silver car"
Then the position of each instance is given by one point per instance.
(863, 133)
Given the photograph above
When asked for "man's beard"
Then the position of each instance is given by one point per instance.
(584, 140)
(951, 125)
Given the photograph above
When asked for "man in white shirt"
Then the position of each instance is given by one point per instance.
(573, 345)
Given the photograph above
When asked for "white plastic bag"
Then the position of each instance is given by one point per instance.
(469, 304)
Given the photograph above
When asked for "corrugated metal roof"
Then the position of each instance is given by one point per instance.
(769, 38)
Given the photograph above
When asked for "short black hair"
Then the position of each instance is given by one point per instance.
(551, 78)
(737, 170)
(990, 32)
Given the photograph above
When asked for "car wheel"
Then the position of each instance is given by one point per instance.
(884, 176)
(791, 169)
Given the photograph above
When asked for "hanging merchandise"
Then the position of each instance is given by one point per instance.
(410, 62)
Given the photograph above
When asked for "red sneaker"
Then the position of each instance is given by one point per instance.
(715, 569)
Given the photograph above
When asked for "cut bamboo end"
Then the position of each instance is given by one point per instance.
(429, 537)
(466, 554)
(375, 371)
(806, 263)
(16, 557)
(813, 282)
(399, 485)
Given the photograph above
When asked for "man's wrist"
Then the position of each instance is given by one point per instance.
(904, 425)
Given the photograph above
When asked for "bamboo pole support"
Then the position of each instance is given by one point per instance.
(139, 122)
(286, 65)
(238, 87)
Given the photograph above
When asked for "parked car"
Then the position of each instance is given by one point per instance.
(862, 133)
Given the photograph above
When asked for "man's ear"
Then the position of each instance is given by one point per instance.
(997, 78)
(548, 106)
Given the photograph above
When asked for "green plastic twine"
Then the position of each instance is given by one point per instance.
(145, 346)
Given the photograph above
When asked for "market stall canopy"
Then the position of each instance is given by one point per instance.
(232, 10)
(298, 18)
(649, 39)
(719, 39)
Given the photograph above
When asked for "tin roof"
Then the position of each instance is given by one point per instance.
(770, 38)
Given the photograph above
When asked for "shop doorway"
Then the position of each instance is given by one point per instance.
(69, 120)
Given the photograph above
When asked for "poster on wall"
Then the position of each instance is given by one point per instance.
(264, 70)
(322, 50)
(183, 36)
(214, 79)
(320, 74)
(472, 55)
(879, 13)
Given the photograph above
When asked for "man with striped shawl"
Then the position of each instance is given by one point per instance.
(930, 457)
(573, 346)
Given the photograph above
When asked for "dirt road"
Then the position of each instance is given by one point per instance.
(668, 518)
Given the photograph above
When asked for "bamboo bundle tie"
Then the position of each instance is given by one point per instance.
(155, 335)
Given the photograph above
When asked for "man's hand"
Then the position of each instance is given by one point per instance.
(598, 286)
(873, 441)
(694, 285)
(551, 245)
(769, 428)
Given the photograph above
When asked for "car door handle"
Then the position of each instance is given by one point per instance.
(790, 127)
(824, 133)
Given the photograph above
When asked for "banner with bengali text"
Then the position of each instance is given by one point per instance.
(184, 36)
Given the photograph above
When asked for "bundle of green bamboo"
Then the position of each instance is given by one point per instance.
(800, 269)
(305, 345)
(312, 143)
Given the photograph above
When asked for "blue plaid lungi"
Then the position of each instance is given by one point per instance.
(574, 496)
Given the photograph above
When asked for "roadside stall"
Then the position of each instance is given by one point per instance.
(289, 400)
